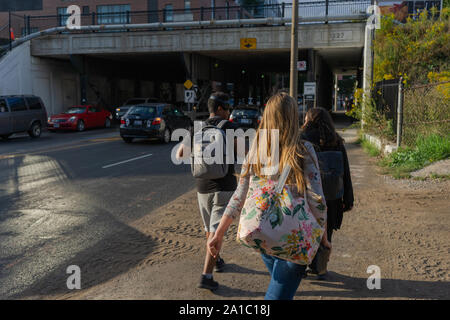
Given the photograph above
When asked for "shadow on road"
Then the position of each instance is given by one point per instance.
(115, 254)
(343, 286)
(235, 268)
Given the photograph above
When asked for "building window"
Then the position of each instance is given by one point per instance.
(113, 14)
(187, 5)
(62, 16)
(168, 13)
(85, 9)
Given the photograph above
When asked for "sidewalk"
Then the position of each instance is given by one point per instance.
(400, 226)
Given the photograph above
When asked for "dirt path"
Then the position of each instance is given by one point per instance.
(401, 226)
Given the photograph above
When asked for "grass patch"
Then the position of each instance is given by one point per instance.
(402, 162)
(428, 150)
(369, 147)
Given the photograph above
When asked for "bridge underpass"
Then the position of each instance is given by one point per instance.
(109, 67)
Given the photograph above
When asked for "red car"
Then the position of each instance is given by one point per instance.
(80, 118)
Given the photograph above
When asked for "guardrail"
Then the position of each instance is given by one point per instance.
(322, 8)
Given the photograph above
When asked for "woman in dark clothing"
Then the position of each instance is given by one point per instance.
(319, 130)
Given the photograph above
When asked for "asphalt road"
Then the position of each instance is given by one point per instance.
(65, 197)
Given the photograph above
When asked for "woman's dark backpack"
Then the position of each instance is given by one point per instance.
(331, 165)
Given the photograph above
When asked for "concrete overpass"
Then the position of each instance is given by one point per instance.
(109, 66)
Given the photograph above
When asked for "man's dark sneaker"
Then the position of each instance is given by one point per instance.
(322, 277)
(220, 265)
(207, 283)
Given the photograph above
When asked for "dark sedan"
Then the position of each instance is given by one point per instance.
(152, 120)
(246, 117)
(119, 112)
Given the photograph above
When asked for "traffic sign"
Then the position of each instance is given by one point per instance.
(188, 84)
(301, 65)
(189, 96)
(309, 88)
(248, 43)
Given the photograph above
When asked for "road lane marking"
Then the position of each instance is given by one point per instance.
(125, 161)
(53, 149)
(106, 139)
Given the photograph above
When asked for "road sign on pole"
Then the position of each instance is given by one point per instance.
(309, 88)
(189, 96)
(188, 84)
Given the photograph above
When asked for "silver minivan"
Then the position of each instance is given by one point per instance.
(22, 113)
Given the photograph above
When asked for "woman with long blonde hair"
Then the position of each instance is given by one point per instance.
(277, 145)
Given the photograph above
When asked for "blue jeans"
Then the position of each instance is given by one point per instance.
(285, 277)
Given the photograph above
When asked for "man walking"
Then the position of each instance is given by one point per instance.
(214, 194)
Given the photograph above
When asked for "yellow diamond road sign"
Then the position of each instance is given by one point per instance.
(248, 43)
(188, 84)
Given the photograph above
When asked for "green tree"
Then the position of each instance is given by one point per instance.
(413, 49)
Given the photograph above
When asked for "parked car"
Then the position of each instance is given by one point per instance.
(246, 117)
(132, 102)
(153, 120)
(21, 113)
(80, 118)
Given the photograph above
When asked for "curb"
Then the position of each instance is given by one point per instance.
(381, 145)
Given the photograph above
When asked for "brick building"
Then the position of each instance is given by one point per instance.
(53, 12)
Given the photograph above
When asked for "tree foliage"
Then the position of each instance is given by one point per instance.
(413, 49)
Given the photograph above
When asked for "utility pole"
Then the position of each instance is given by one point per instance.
(9, 30)
(294, 52)
(400, 113)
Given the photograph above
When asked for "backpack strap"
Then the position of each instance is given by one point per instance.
(221, 124)
(282, 179)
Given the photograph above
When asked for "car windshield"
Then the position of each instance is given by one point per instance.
(245, 112)
(142, 110)
(76, 110)
(134, 101)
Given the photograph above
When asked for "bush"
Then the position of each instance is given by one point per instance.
(375, 122)
(428, 149)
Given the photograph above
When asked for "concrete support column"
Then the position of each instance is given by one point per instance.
(325, 83)
(80, 64)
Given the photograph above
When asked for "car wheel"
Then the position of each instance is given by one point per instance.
(107, 123)
(80, 126)
(127, 140)
(5, 136)
(35, 130)
(166, 136)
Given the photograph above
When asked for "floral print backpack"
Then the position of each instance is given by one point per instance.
(277, 221)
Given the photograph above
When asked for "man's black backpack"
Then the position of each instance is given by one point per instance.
(331, 164)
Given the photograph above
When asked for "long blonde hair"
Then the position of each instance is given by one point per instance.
(281, 113)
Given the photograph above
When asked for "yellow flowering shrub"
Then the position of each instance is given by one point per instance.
(415, 48)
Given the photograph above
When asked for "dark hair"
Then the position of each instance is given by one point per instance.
(320, 120)
(216, 100)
